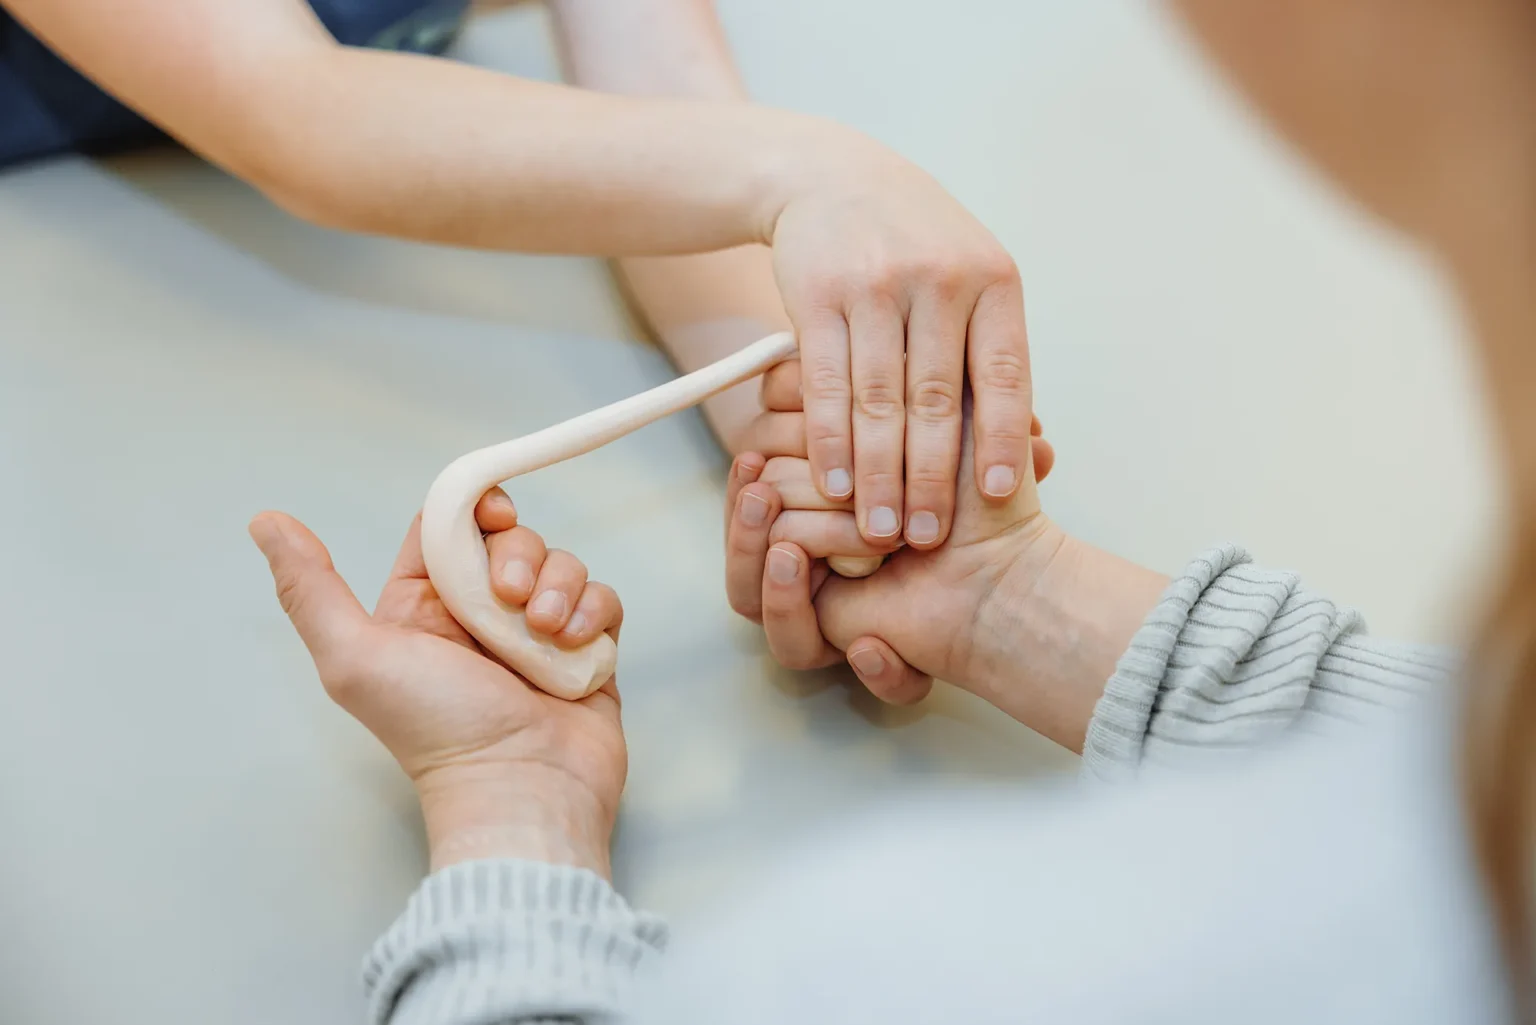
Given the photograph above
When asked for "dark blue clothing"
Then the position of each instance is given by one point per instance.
(46, 107)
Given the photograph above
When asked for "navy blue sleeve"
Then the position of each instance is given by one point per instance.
(46, 107)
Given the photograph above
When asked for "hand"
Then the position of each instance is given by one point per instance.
(502, 769)
(898, 296)
(1011, 608)
(774, 457)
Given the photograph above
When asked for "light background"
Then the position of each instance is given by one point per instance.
(1222, 351)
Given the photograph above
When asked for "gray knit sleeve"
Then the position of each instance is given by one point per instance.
(503, 942)
(1235, 655)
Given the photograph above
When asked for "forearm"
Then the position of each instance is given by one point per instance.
(438, 151)
(434, 150)
(702, 307)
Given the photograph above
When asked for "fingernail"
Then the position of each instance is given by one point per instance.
(839, 484)
(883, 521)
(550, 605)
(999, 481)
(499, 500)
(518, 576)
(922, 527)
(577, 624)
(867, 662)
(754, 511)
(782, 566)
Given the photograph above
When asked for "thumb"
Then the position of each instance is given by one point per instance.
(850, 608)
(853, 618)
(318, 602)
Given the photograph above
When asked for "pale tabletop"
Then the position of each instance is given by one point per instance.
(192, 833)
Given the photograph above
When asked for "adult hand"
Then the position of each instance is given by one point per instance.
(502, 769)
(1011, 608)
(788, 504)
(898, 296)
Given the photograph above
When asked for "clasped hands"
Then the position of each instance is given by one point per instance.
(780, 530)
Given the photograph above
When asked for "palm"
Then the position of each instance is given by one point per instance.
(449, 701)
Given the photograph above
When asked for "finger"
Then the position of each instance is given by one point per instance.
(746, 546)
(495, 511)
(775, 434)
(879, 416)
(321, 606)
(598, 610)
(885, 674)
(789, 618)
(1044, 457)
(560, 584)
(936, 333)
(998, 351)
(791, 478)
(780, 390)
(823, 534)
(745, 469)
(826, 381)
(516, 557)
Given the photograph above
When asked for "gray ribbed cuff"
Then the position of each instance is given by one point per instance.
(1118, 730)
(508, 940)
(1233, 658)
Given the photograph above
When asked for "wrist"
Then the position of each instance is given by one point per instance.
(529, 812)
(811, 156)
(1053, 630)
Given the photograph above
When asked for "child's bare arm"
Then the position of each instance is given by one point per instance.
(704, 306)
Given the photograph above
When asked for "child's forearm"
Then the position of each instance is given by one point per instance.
(433, 150)
(701, 307)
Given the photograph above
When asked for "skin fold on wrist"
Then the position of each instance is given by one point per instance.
(531, 814)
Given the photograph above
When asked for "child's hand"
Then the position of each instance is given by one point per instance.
(502, 769)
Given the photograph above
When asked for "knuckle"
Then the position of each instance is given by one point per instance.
(746, 607)
(826, 376)
(1003, 430)
(995, 266)
(879, 400)
(784, 529)
(943, 277)
(745, 545)
(934, 399)
(883, 282)
(931, 478)
(796, 661)
(1003, 371)
(826, 439)
(564, 560)
(876, 480)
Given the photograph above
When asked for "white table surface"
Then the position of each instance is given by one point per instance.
(192, 833)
